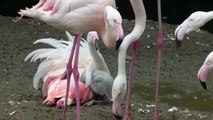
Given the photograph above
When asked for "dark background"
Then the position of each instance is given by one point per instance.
(174, 11)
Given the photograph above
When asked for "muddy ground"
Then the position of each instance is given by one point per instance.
(179, 85)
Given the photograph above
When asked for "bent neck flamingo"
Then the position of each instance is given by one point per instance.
(193, 22)
(79, 16)
(120, 85)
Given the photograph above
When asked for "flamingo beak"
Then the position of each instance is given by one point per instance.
(203, 84)
(119, 34)
(178, 42)
(202, 74)
(116, 108)
(97, 47)
(118, 43)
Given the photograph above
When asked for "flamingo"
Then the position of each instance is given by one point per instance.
(193, 22)
(119, 85)
(80, 16)
(53, 66)
(204, 70)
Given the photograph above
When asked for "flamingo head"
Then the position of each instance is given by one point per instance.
(193, 22)
(93, 39)
(204, 70)
(114, 24)
(119, 88)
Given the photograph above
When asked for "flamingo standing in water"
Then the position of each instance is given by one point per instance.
(96, 81)
(119, 85)
(80, 16)
(193, 22)
(204, 70)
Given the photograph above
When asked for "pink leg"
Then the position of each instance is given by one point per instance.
(74, 69)
(76, 77)
(131, 75)
(159, 47)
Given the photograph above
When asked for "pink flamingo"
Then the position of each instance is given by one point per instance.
(193, 22)
(119, 84)
(54, 64)
(204, 70)
(80, 16)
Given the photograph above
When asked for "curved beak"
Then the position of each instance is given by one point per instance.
(203, 84)
(202, 74)
(178, 42)
(116, 108)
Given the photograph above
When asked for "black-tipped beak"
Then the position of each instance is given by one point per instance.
(203, 84)
(97, 44)
(178, 43)
(118, 43)
(117, 117)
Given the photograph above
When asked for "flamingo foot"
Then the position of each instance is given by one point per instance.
(156, 115)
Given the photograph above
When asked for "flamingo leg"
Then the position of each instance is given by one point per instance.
(159, 59)
(73, 70)
(131, 77)
(76, 76)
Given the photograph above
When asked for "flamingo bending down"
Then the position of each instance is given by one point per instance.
(204, 70)
(53, 65)
(120, 85)
(80, 16)
(193, 22)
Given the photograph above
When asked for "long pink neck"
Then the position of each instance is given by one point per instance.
(140, 23)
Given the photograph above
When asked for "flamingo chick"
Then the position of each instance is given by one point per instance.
(53, 66)
(204, 70)
(193, 22)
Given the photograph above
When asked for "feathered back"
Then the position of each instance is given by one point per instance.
(54, 60)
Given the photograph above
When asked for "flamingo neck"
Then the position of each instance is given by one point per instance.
(99, 61)
(209, 15)
(140, 23)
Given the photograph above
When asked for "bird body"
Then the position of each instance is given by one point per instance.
(81, 16)
(53, 65)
